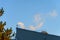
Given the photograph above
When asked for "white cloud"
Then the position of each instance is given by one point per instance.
(21, 25)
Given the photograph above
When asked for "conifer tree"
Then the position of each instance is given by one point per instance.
(5, 34)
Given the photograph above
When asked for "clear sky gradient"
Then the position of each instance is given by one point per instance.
(24, 11)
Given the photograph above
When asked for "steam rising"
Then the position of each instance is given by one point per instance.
(53, 13)
(32, 27)
(37, 19)
(21, 25)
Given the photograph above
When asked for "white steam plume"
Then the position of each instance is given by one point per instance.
(37, 20)
(21, 25)
(53, 13)
(32, 27)
(36, 27)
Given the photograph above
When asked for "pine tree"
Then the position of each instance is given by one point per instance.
(5, 34)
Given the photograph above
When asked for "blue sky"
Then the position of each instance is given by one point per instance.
(26, 12)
